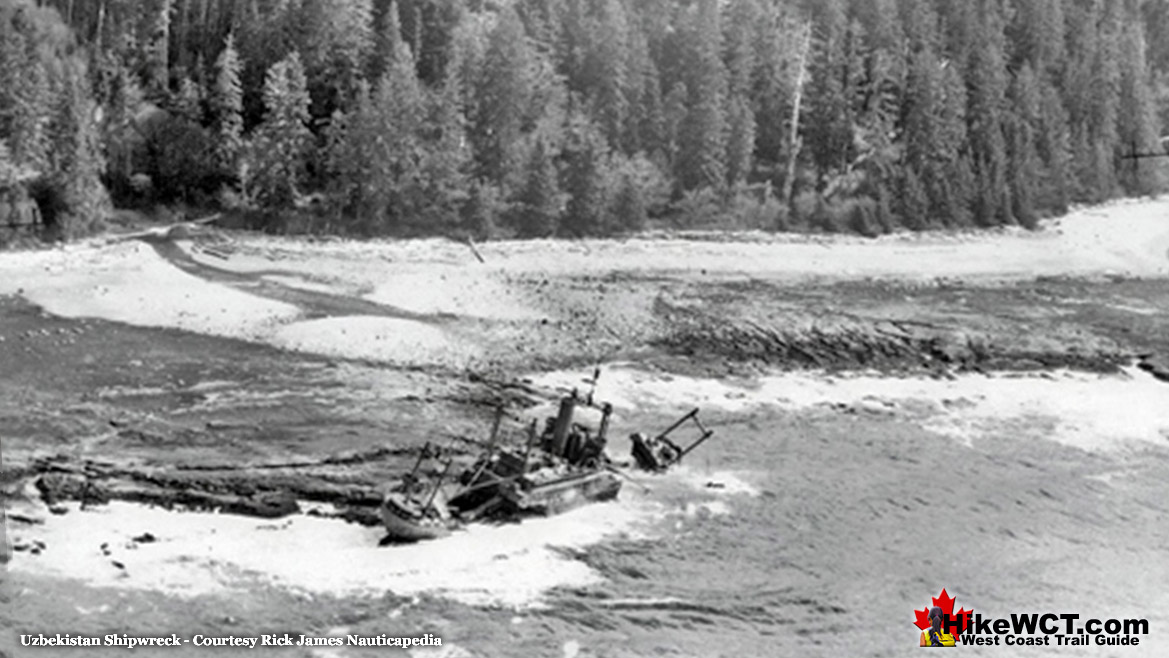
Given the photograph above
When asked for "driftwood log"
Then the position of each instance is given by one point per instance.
(264, 491)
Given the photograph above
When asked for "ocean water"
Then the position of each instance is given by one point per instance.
(794, 532)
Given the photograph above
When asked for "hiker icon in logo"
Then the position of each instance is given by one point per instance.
(934, 636)
(940, 625)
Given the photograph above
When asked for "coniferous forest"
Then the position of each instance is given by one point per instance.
(533, 118)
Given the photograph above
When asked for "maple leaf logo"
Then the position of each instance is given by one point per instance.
(946, 603)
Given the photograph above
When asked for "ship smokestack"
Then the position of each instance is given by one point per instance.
(606, 411)
(563, 420)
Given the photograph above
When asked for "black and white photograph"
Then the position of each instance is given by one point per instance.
(584, 328)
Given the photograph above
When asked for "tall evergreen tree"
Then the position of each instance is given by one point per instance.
(355, 164)
(80, 200)
(401, 158)
(880, 89)
(951, 181)
(387, 41)
(1036, 34)
(914, 203)
(924, 100)
(631, 193)
(1138, 128)
(227, 105)
(987, 85)
(399, 106)
(431, 25)
(1022, 126)
(673, 119)
(741, 43)
(606, 70)
(585, 155)
(645, 129)
(280, 145)
(778, 55)
(503, 90)
(702, 138)
(10, 173)
(118, 92)
(25, 97)
(1090, 90)
(740, 140)
(335, 38)
(156, 57)
(828, 136)
(446, 159)
(537, 207)
(1053, 143)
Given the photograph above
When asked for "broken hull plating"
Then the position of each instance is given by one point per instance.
(563, 494)
(405, 525)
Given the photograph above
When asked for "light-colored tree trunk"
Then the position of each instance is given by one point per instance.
(101, 19)
(181, 34)
(794, 141)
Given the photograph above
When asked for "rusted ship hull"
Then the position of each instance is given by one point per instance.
(405, 523)
(562, 494)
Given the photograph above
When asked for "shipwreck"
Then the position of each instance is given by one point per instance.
(559, 468)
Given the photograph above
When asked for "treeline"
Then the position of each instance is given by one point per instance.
(588, 117)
